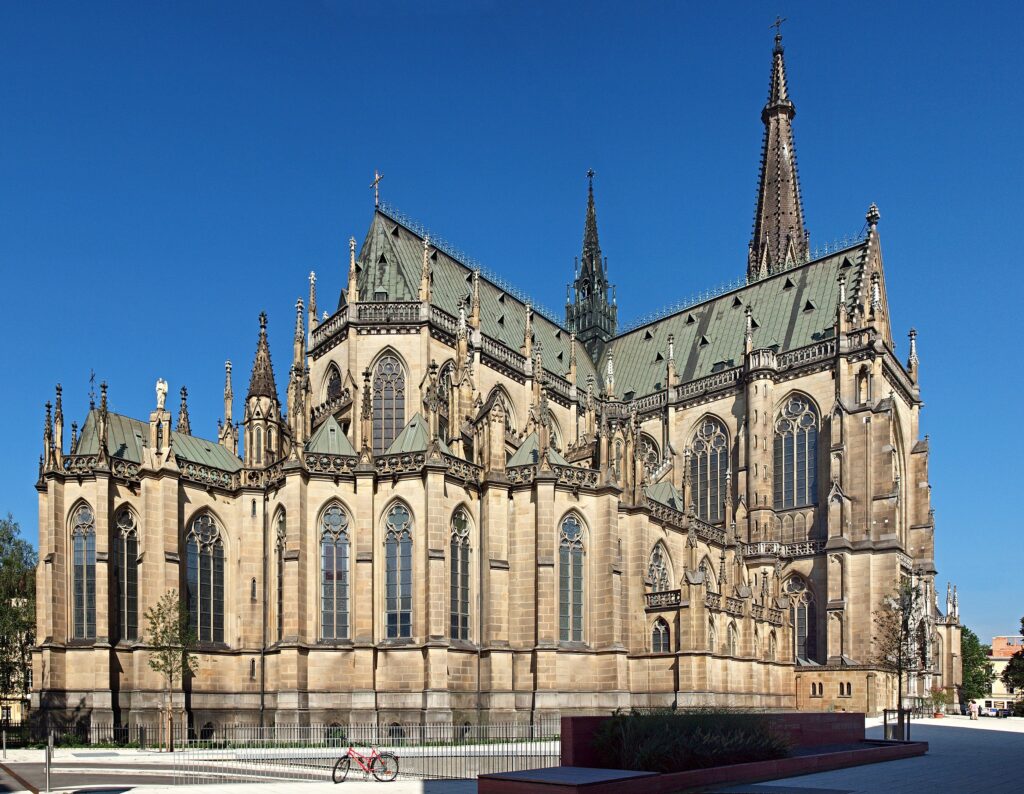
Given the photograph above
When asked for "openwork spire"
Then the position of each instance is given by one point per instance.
(261, 383)
(780, 236)
(590, 309)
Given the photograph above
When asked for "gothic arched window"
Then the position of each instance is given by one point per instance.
(398, 571)
(83, 576)
(388, 402)
(772, 647)
(802, 616)
(796, 454)
(279, 550)
(204, 579)
(660, 637)
(571, 555)
(712, 636)
(334, 573)
(125, 554)
(709, 462)
(649, 454)
(710, 585)
(732, 639)
(657, 569)
(459, 583)
(333, 385)
(258, 445)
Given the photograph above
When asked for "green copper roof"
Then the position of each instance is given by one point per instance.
(415, 437)
(329, 439)
(667, 494)
(790, 309)
(390, 262)
(126, 437)
(529, 452)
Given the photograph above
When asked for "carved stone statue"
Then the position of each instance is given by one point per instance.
(161, 393)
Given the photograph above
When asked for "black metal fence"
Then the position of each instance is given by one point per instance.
(246, 754)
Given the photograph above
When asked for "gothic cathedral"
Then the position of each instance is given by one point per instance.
(466, 509)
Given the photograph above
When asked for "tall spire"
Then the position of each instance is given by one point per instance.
(184, 426)
(592, 315)
(780, 236)
(261, 383)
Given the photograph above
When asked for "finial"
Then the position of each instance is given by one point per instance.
(777, 24)
(103, 396)
(842, 288)
(263, 322)
(873, 216)
(92, 389)
(876, 292)
(59, 392)
(74, 435)
(49, 421)
(351, 249)
(590, 178)
(375, 184)
(325, 316)
(299, 307)
(912, 360)
(671, 347)
(312, 303)
(184, 426)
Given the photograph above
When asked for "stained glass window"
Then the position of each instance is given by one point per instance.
(709, 462)
(660, 637)
(459, 582)
(83, 540)
(796, 454)
(204, 579)
(126, 563)
(388, 403)
(657, 569)
(571, 555)
(398, 572)
(279, 550)
(803, 618)
(334, 573)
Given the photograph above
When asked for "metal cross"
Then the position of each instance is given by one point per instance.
(777, 24)
(375, 184)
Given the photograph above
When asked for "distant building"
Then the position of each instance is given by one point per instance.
(466, 508)
(1002, 696)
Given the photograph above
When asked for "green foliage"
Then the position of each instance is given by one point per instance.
(17, 608)
(1013, 673)
(171, 639)
(977, 670)
(895, 649)
(1018, 708)
(672, 741)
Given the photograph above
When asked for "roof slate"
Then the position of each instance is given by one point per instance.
(529, 452)
(415, 437)
(126, 437)
(330, 439)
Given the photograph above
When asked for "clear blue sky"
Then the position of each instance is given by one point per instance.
(167, 170)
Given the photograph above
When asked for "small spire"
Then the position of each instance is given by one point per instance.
(671, 347)
(474, 308)
(48, 427)
(912, 361)
(74, 436)
(425, 271)
(58, 424)
(184, 426)
(103, 397)
(842, 290)
(876, 293)
(228, 394)
(375, 184)
(353, 280)
(92, 389)
(873, 216)
(312, 305)
(461, 331)
(748, 333)
(261, 383)
(609, 379)
(297, 351)
(528, 333)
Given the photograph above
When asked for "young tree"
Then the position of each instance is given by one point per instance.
(1013, 673)
(977, 670)
(172, 643)
(17, 609)
(895, 624)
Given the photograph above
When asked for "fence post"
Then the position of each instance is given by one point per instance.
(5, 744)
(49, 756)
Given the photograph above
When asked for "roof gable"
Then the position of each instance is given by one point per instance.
(529, 453)
(330, 439)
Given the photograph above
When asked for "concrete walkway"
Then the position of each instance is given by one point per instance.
(963, 756)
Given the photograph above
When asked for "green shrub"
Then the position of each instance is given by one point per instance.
(1018, 708)
(672, 741)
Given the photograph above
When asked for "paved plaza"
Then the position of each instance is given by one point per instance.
(964, 756)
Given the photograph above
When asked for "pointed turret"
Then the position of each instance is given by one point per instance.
(58, 427)
(592, 315)
(227, 433)
(298, 387)
(780, 236)
(262, 421)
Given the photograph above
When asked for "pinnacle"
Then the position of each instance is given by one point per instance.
(261, 382)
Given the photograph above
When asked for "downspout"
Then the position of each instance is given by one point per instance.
(263, 644)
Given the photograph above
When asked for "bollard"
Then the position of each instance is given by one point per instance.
(5, 744)
(46, 756)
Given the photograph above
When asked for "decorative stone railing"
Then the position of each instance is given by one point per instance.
(775, 616)
(720, 380)
(79, 464)
(666, 513)
(521, 475)
(390, 465)
(652, 402)
(389, 312)
(773, 548)
(205, 475)
(708, 532)
(558, 385)
(576, 476)
(820, 351)
(664, 599)
(332, 406)
(502, 354)
(331, 464)
(757, 611)
(713, 600)
(124, 469)
(463, 469)
(443, 320)
(261, 478)
(734, 606)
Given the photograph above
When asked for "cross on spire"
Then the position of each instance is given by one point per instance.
(777, 24)
(375, 184)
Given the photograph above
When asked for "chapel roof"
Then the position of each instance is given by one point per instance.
(330, 439)
(126, 437)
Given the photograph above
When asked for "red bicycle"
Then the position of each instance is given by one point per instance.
(383, 766)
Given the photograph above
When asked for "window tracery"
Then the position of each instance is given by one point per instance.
(660, 637)
(796, 454)
(657, 569)
(334, 573)
(83, 541)
(709, 463)
(126, 562)
(388, 402)
(803, 618)
(398, 572)
(571, 555)
(204, 579)
(459, 583)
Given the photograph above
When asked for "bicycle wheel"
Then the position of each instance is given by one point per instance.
(341, 769)
(385, 767)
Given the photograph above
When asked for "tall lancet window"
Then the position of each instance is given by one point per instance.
(279, 549)
(709, 463)
(125, 557)
(334, 574)
(204, 579)
(571, 557)
(388, 403)
(83, 574)
(657, 569)
(459, 583)
(398, 572)
(802, 616)
(796, 454)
